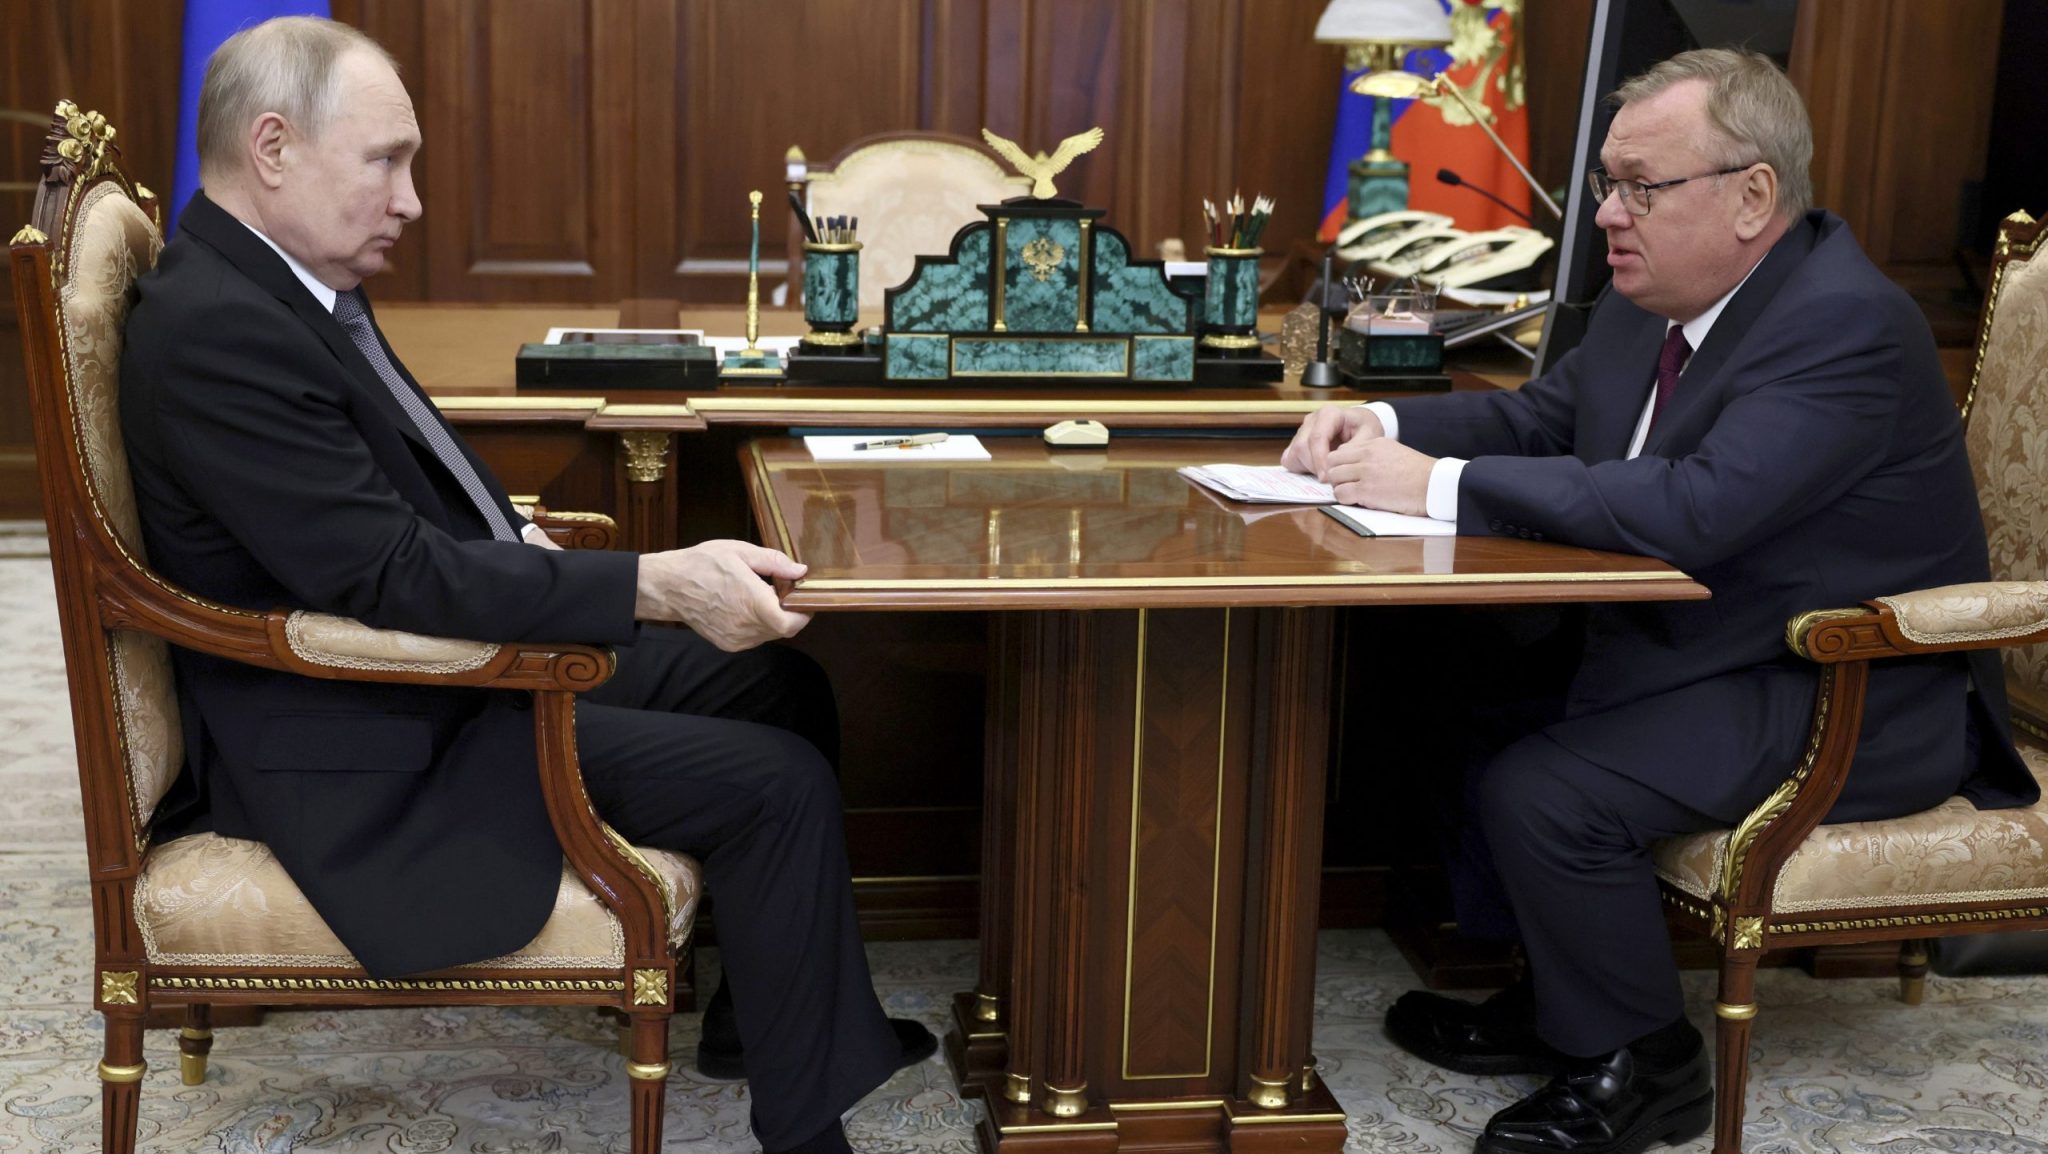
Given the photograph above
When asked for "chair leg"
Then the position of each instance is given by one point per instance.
(647, 1066)
(195, 1042)
(1733, 1013)
(121, 1082)
(1913, 971)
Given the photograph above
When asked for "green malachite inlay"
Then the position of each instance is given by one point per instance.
(912, 357)
(949, 296)
(1052, 305)
(1004, 357)
(831, 288)
(1130, 299)
(1163, 359)
(1232, 295)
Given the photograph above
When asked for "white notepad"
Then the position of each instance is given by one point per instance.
(1273, 485)
(958, 447)
(1380, 523)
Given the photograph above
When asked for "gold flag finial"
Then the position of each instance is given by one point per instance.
(1042, 168)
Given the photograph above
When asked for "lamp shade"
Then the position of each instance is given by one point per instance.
(1410, 22)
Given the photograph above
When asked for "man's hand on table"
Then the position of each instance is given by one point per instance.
(716, 589)
(1380, 474)
(1323, 431)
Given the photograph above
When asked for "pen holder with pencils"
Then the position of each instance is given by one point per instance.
(832, 296)
(1230, 302)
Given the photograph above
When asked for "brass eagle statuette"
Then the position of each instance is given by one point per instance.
(1042, 168)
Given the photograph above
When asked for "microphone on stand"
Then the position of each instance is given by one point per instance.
(1455, 181)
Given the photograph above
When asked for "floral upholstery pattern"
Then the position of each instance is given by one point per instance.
(111, 244)
(208, 900)
(345, 643)
(911, 196)
(2008, 440)
(1979, 611)
(1954, 852)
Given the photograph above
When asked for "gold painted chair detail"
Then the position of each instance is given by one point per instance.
(1781, 878)
(205, 919)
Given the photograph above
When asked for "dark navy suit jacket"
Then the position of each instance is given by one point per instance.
(273, 468)
(1810, 458)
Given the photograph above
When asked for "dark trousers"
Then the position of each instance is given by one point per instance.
(726, 757)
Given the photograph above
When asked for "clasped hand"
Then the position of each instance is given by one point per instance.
(1346, 448)
(716, 589)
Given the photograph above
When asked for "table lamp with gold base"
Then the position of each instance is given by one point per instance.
(1377, 35)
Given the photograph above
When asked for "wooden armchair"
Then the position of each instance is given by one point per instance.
(911, 190)
(1781, 878)
(622, 914)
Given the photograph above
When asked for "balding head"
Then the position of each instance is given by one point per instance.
(284, 67)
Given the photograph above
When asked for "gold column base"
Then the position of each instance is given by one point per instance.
(1741, 1013)
(985, 1008)
(192, 1069)
(1062, 1102)
(647, 1071)
(1269, 1095)
(123, 1073)
(1308, 1079)
(1017, 1088)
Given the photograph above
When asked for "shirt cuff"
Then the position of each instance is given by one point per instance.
(1442, 502)
(526, 533)
(1389, 423)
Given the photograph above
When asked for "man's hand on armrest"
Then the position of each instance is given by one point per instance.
(716, 588)
(1326, 429)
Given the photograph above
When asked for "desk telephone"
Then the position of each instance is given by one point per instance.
(1371, 237)
(1504, 258)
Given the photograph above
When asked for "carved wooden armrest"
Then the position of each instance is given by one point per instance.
(573, 530)
(338, 648)
(1978, 615)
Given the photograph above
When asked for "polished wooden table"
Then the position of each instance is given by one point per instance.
(1158, 716)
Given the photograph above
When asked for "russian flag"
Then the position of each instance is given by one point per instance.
(1427, 142)
(207, 24)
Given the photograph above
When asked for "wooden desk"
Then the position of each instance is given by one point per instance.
(1160, 673)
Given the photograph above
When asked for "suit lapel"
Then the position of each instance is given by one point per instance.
(234, 240)
(1733, 325)
(1625, 388)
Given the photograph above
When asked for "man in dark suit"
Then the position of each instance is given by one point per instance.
(283, 457)
(1756, 404)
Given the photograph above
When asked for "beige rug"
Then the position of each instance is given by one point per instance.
(1843, 1067)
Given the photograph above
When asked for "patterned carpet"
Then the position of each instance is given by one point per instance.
(1844, 1067)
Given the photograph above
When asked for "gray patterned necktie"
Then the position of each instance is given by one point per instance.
(354, 321)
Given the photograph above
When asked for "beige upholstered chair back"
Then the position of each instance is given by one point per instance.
(110, 242)
(2007, 415)
(911, 193)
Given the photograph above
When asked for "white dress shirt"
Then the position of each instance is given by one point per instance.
(1441, 503)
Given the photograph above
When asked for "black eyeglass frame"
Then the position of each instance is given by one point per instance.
(1598, 177)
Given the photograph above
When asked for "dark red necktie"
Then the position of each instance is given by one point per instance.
(1670, 363)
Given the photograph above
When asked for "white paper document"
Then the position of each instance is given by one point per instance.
(1265, 484)
(1273, 485)
(1379, 523)
(957, 447)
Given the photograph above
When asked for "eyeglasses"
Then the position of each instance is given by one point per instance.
(1635, 195)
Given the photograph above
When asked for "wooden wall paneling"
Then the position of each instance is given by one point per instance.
(1939, 75)
(400, 26)
(1074, 52)
(1285, 108)
(752, 78)
(1833, 50)
(1555, 37)
(109, 56)
(532, 105)
(951, 74)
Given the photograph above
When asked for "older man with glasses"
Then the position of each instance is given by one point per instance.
(1756, 404)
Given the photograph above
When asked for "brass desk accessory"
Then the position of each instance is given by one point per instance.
(753, 363)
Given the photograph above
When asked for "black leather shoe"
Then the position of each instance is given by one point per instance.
(1607, 1106)
(721, 1059)
(1497, 1036)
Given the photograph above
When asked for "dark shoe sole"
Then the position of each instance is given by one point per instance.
(1673, 1128)
(730, 1066)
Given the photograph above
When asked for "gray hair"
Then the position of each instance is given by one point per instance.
(1756, 113)
(286, 66)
